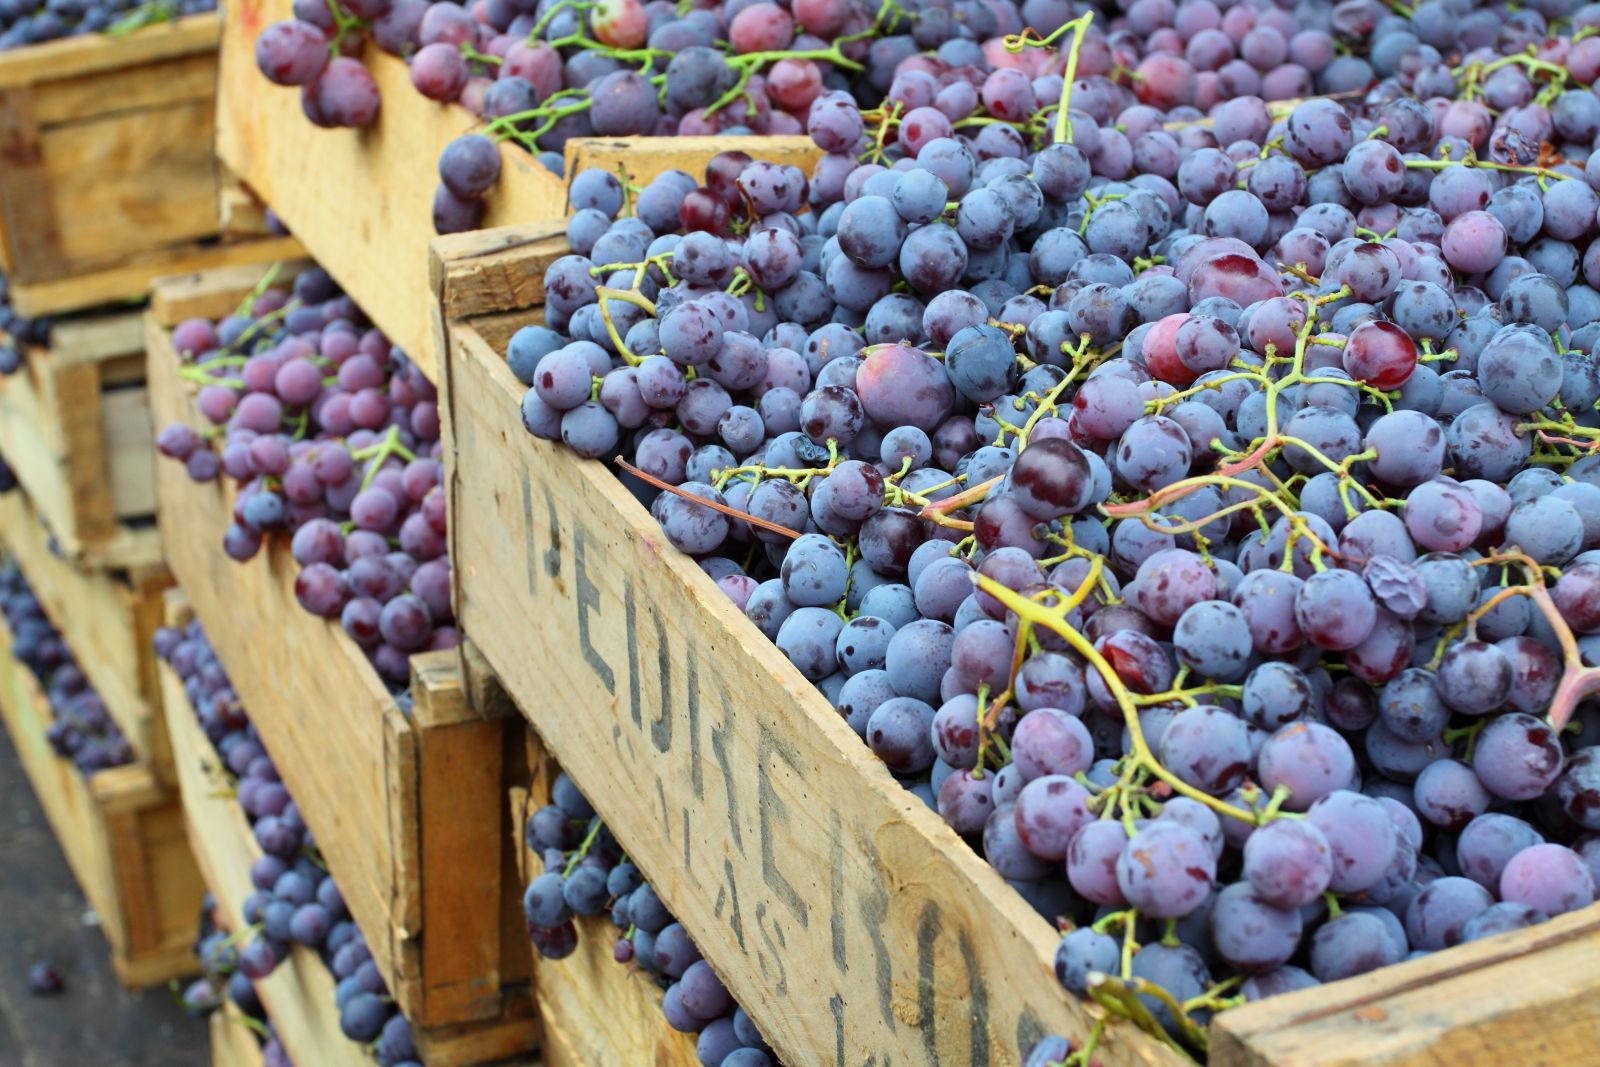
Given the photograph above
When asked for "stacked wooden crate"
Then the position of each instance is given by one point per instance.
(106, 182)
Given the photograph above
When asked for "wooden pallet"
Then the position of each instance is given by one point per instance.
(122, 834)
(592, 1009)
(364, 209)
(107, 618)
(106, 173)
(409, 810)
(75, 428)
(846, 917)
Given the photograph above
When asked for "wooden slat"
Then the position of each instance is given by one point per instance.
(122, 836)
(1531, 991)
(107, 621)
(233, 1043)
(76, 56)
(641, 159)
(132, 279)
(28, 233)
(840, 911)
(409, 811)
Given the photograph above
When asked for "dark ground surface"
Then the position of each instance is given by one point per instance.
(94, 1022)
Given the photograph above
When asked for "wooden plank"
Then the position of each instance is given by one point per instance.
(365, 209)
(214, 294)
(592, 1009)
(642, 159)
(132, 279)
(76, 56)
(408, 811)
(122, 836)
(863, 925)
(299, 994)
(1532, 991)
(106, 620)
(28, 231)
(233, 1042)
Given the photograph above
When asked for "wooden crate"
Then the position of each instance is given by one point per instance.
(107, 618)
(409, 809)
(106, 173)
(364, 210)
(122, 834)
(75, 428)
(298, 996)
(592, 1010)
(845, 916)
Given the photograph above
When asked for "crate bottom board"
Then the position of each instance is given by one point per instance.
(132, 280)
(123, 837)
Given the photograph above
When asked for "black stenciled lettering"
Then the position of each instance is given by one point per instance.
(661, 729)
(836, 1006)
(874, 907)
(688, 862)
(552, 555)
(729, 892)
(1030, 1031)
(697, 776)
(719, 748)
(928, 1017)
(589, 600)
(978, 1002)
(532, 545)
(836, 889)
(772, 934)
(631, 609)
(770, 808)
(666, 815)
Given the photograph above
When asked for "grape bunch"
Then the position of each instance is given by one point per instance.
(221, 979)
(1209, 531)
(17, 332)
(30, 22)
(586, 874)
(81, 729)
(295, 901)
(333, 437)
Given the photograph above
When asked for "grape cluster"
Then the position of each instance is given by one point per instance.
(30, 22)
(221, 979)
(333, 437)
(586, 874)
(1200, 512)
(80, 729)
(295, 901)
(17, 332)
